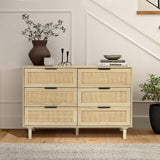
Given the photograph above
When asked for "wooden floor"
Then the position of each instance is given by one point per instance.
(86, 136)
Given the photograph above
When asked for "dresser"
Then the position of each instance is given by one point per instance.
(77, 97)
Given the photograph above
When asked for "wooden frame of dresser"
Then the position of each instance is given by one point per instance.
(123, 128)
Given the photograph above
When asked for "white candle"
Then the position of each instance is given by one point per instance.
(48, 61)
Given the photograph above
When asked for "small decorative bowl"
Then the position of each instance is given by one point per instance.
(112, 57)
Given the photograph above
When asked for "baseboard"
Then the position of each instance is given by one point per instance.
(141, 122)
(11, 122)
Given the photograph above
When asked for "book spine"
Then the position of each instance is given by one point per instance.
(112, 64)
(103, 61)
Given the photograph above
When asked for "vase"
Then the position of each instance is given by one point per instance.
(154, 113)
(38, 52)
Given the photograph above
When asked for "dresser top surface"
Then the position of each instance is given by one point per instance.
(76, 67)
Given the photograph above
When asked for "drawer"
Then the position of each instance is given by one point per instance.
(103, 97)
(50, 97)
(104, 116)
(51, 116)
(50, 77)
(104, 78)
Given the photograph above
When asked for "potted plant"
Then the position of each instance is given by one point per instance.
(39, 34)
(151, 88)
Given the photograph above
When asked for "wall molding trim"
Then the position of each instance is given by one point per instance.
(105, 9)
(139, 101)
(86, 38)
(11, 102)
(70, 12)
(121, 34)
(140, 116)
(36, 11)
(10, 116)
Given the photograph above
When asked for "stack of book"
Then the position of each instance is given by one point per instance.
(105, 62)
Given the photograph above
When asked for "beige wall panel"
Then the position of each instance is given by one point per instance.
(105, 41)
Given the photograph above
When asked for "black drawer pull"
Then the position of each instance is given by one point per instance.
(50, 68)
(104, 87)
(104, 68)
(50, 107)
(103, 107)
(50, 87)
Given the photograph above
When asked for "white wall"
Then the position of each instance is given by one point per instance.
(94, 28)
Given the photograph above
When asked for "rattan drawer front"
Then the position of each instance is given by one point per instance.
(101, 116)
(50, 116)
(104, 78)
(103, 97)
(50, 78)
(50, 97)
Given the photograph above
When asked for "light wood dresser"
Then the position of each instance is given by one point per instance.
(77, 97)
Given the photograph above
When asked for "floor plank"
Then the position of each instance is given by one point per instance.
(85, 136)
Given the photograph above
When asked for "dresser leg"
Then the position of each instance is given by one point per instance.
(77, 131)
(33, 129)
(29, 133)
(124, 133)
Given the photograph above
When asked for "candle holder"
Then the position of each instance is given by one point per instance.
(67, 63)
(61, 63)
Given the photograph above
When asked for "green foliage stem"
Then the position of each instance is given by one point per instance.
(151, 88)
(41, 32)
